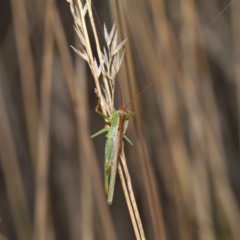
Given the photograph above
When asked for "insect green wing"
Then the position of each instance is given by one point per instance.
(112, 149)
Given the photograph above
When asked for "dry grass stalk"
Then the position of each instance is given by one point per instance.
(28, 78)
(123, 14)
(41, 224)
(109, 60)
(12, 175)
(109, 64)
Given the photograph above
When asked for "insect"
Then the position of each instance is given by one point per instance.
(115, 134)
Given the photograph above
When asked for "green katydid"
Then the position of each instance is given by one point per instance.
(115, 133)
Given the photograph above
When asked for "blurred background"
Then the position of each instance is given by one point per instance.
(184, 165)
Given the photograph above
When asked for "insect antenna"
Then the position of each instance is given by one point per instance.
(145, 88)
(120, 92)
(99, 24)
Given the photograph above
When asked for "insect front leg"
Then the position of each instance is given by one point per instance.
(105, 117)
(100, 113)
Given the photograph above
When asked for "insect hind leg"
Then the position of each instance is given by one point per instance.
(127, 139)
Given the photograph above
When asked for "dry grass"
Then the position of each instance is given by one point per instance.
(184, 165)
